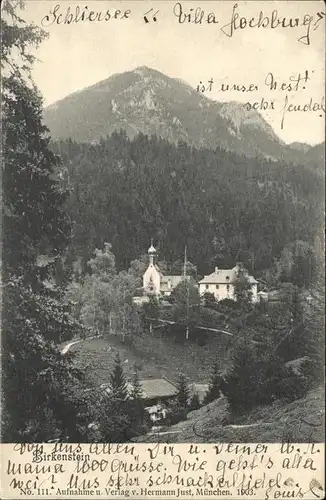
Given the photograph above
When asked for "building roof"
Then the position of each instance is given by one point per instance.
(157, 388)
(224, 276)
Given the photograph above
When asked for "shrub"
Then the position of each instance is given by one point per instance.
(194, 403)
(177, 416)
(289, 385)
(258, 377)
(228, 304)
(214, 388)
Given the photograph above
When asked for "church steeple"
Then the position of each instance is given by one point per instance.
(151, 253)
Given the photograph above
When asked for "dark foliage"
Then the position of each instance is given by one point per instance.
(194, 403)
(118, 383)
(183, 392)
(214, 387)
(43, 396)
(224, 207)
(209, 300)
(259, 376)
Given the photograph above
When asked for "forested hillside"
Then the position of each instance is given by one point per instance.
(223, 206)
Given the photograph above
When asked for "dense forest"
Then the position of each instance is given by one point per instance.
(224, 207)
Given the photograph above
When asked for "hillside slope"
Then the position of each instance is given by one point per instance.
(299, 421)
(145, 100)
(153, 356)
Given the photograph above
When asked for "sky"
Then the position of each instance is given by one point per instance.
(78, 55)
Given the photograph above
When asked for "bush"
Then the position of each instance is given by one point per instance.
(209, 300)
(228, 304)
(259, 377)
(289, 385)
(177, 416)
(201, 338)
(129, 340)
(214, 387)
(194, 403)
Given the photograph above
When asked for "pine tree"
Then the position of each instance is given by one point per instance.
(34, 220)
(214, 391)
(118, 384)
(241, 382)
(298, 342)
(119, 419)
(37, 380)
(136, 396)
(183, 391)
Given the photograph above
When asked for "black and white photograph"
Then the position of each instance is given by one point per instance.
(163, 222)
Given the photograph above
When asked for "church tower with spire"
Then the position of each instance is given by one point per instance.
(151, 253)
(154, 281)
(152, 276)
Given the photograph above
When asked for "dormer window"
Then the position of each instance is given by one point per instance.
(228, 277)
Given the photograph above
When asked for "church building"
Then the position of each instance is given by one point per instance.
(220, 283)
(154, 282)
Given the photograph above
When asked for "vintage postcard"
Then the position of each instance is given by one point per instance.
(163, 249)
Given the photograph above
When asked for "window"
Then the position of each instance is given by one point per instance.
(206, 286)
(228, 277)
(227, 287)
(217, 287)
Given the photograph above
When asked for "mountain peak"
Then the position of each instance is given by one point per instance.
(144, 68)
(148, 101)
(147, 71)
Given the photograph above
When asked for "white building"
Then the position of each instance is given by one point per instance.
(154, 282)
(221, 284)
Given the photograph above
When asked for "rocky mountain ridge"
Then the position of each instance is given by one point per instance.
(147, 101)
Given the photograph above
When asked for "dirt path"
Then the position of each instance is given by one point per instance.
(246, 426)
(67, 347)
(163, 433)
